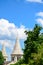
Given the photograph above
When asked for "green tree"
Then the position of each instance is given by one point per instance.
(33, 46)
(1, 58)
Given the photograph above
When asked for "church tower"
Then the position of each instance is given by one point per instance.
(17, 52)
(4, 52)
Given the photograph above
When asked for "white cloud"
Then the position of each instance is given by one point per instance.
(39, 14)
(9, 31)
(8, 43)
(40, 21)
(39, 18)
(39, 1)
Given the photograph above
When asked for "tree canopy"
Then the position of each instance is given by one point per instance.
(1, 58)
(33, 51)
(33, 47)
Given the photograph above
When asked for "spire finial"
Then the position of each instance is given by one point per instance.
(17, 35)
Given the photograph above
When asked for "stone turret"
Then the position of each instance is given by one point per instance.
(17, 52)
(4, 52)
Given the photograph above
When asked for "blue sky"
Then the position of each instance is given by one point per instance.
(20, 14)
(20, 11)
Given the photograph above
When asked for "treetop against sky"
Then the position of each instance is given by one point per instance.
(18, 16)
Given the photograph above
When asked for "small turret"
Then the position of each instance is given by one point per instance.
(17, 52)
(4, 52)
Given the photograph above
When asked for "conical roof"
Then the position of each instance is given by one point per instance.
(4, 51)
(17, 49)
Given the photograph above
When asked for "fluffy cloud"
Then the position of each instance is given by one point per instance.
(40, 21)
(39, 1)
(9, 31)
(7, 43)
(39, 14)
(40, 18)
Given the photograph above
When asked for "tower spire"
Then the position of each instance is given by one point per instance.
(17, 52)
(4, 52)
(17, 48)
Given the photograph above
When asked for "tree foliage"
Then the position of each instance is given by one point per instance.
(1, 58)
(33, 51)
(33, 48)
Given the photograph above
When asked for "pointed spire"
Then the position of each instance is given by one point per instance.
(4, 52)
(17, 49)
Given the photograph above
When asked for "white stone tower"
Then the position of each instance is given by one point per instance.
(17, 52)
(4, 52)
